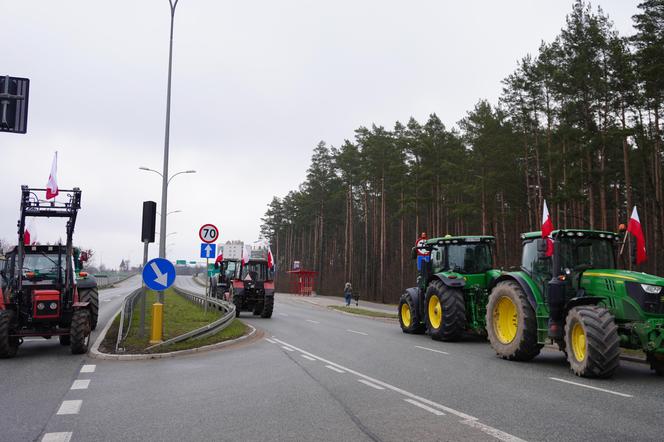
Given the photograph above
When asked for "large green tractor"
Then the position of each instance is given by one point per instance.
(451, 293)
(578, 299)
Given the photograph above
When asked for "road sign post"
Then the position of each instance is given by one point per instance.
(147, 236)
(208, 233)
(158, 275)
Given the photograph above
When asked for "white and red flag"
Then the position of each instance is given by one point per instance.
(52, 186)
(246, 254)
(634, 228)
(270, 258)
(547, 229)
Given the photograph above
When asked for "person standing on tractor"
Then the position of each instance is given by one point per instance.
(423, 255)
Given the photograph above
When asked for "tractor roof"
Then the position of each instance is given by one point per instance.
(449, 239)
(572, 232)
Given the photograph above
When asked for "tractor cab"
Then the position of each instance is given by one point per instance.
(253, 288)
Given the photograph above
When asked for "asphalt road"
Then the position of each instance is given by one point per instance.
(318, 374)
(35, 381)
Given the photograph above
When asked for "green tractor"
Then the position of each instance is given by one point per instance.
(451, 293)
(578, 299)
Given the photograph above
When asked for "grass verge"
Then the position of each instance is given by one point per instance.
(363, 312)
(180, 316)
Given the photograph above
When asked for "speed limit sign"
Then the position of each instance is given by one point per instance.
(208, 233)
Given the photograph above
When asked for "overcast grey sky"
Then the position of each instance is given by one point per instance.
(256, 85)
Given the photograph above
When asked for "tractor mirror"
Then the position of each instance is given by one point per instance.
(413, 253)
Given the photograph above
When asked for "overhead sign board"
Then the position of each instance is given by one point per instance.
(208, 250)
(208, 233)
(159, 274)
(14, 104)
(181, 262)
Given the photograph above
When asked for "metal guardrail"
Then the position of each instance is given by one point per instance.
(104, 280)
(126, 314)
(207, 330)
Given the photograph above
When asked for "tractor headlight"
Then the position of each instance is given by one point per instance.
(653, 289)
(53, 306)
(40, 306)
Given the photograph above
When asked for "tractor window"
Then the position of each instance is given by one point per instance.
(42, 264)
(257, 271)
(584, 251)
(529, 256)
(469, 258)
(230, 268)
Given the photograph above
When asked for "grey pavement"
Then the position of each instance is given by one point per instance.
(318, 374)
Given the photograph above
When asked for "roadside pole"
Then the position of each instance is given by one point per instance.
(141, 330)
(207, 281)
(147, 236)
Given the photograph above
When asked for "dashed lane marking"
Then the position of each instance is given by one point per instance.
(357, 332)
(591, 387)
(270, 341)
(335, 369)
(70, 407)
(88, 368)
(425, 407)
(431, 349)
(466, 419)
(312, 321)
(287, 348)
(377, 387)
(80, 384)
(308, 357)
(283, 314)
(57, 437)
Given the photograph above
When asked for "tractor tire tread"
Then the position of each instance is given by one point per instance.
(416, 326)
(80, 332)
(268, 307)
(7, 347)
(453, 323)
(603, 342)
(91, 295)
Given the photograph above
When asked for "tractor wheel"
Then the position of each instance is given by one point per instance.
(445, 312)
(268, 307)
(8, 345)
(80, 331)
(91, 295)
(592, 342)
(65, 340)
(258, 309)
(511, 323)
(409, 318)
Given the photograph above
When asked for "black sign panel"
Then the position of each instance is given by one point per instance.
(14, 104)
(149, 219)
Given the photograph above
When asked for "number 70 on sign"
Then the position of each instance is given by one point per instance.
(208, 233)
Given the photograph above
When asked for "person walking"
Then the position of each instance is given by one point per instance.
(348, 293)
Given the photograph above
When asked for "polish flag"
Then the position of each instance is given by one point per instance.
(547, 229)
(270, 258)
(52, 186)
(634, 228)
(246, 254)
(26, 237)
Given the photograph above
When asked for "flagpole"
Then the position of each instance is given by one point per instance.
(623, 244)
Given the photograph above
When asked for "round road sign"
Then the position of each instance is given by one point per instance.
(208, 233)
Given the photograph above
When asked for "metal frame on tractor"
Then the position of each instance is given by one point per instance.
(578, 299)
(33, 304)
(451, 292)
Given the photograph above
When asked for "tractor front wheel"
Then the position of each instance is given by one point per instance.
(8, 345)
(80, 331)
(268, 307)
(445, 311)
(592, 342)
(409, 318)
(91, 295)
(511, 323)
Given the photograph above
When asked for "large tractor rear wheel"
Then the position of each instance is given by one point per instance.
(91, 295)
(511, 323)
(268, 307)
(409, 317)
(592, 342)
(8, 345)
(80, 331)
(445, 312)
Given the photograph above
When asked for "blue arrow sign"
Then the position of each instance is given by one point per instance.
(159, 274)
(208, 250)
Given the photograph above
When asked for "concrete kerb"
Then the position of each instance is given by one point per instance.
(96, 354)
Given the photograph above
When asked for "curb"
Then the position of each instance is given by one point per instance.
(355, 315)
(96, 354)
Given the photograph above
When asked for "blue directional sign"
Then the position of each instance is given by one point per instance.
(208, 250)
(159, 274)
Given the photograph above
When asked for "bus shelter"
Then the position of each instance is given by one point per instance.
(302, 281)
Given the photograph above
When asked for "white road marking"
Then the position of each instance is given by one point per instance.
(357, 332)
(335, 369)
(466, 419)
(270, 341)
(308, 357)
(70, 407)
(88, 368)
(377, 387)
(57, 437)
(283, 314)
(591, 387)
(431, 349)
(287, 348)
(312, 321)
(425, 407)
(80, 384)
(106, 300)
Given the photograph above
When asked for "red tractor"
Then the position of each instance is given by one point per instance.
(41, 292)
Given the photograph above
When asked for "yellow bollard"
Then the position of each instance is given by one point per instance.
(157, 322)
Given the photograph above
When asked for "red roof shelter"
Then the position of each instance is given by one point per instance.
(302, 281)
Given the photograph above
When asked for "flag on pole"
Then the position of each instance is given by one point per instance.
(26, 237)
(270, 258)
(547, 229)
(246, 254)
(52, 186)
(634, 228)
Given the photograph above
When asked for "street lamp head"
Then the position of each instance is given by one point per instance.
(189, 171)
(143, 168)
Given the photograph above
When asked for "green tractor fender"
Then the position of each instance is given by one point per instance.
(451, 280)
(582, 300)
(87, 282)
(525, 282)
